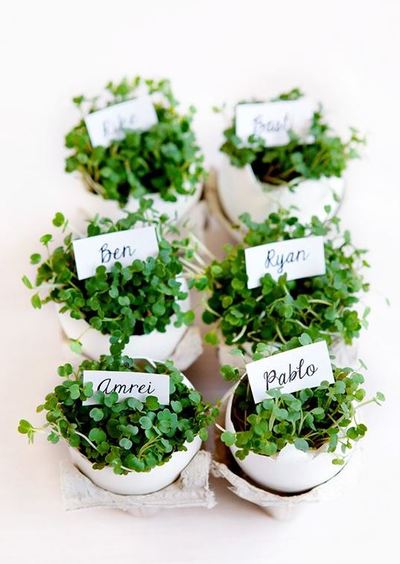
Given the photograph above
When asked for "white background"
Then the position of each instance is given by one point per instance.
(344, 53)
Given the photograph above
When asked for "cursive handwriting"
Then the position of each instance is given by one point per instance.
(105, 387)
(276, 260)
(115, 129)
(261, 127)
(285, 377)
(116, 254)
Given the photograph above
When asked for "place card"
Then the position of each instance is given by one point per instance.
(111, 123)
(272, 121)
(137, 385)
(291, 371)
(121, 246)
(297, 258)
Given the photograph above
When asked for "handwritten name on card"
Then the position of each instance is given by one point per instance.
(294, 370)
(272, 121)
(137, 385)
(121, 246)
(111, 123)
(297, 258)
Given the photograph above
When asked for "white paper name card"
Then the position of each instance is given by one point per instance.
(137, 385)
(110, 124)
(294, 370)
(272, 121)
(297, 258)
(121, 246)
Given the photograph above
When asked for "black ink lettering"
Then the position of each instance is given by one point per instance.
(290, 376)
(302, 254)
(292, 373)
(126, 250)
(311, 370)
(269, 378)
(282, 379)
(278, 261)
(270, 256)
(300, 367)
(105, 390)
(121, 389)
(116, 254)
(261, 126)
(125, 389)
(105, 254)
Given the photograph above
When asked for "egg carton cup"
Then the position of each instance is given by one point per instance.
(191, 489)
(278, 506)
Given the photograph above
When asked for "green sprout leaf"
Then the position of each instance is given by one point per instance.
(58, 219)
(26, 428)
(36, 301)
(228, 438)
(301, 444)
(75, 346)
(125, 443)
(27, 282)
(96, 414)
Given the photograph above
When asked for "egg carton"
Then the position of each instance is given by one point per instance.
(191, 489)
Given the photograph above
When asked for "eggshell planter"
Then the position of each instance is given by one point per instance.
(240, 191)
(139, 483)
(96, 204)
(156, 345)
(291, 470)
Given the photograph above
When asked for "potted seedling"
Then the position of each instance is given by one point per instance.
(325, 306)
(132, 141)
(124, 444)
(292, 442)
(301, 167)
(140, 304)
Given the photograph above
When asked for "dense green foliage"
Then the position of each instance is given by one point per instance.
(277, 311)
(164, 159)
(307, 419)
(127, 435)
(125, 301)
(327, 155)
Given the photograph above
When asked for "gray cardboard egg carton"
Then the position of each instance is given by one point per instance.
(191, 489)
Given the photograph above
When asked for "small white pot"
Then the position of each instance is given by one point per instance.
(240, 191)
(289, 471)
(156, 345)
(110, 208)
(139, 483)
